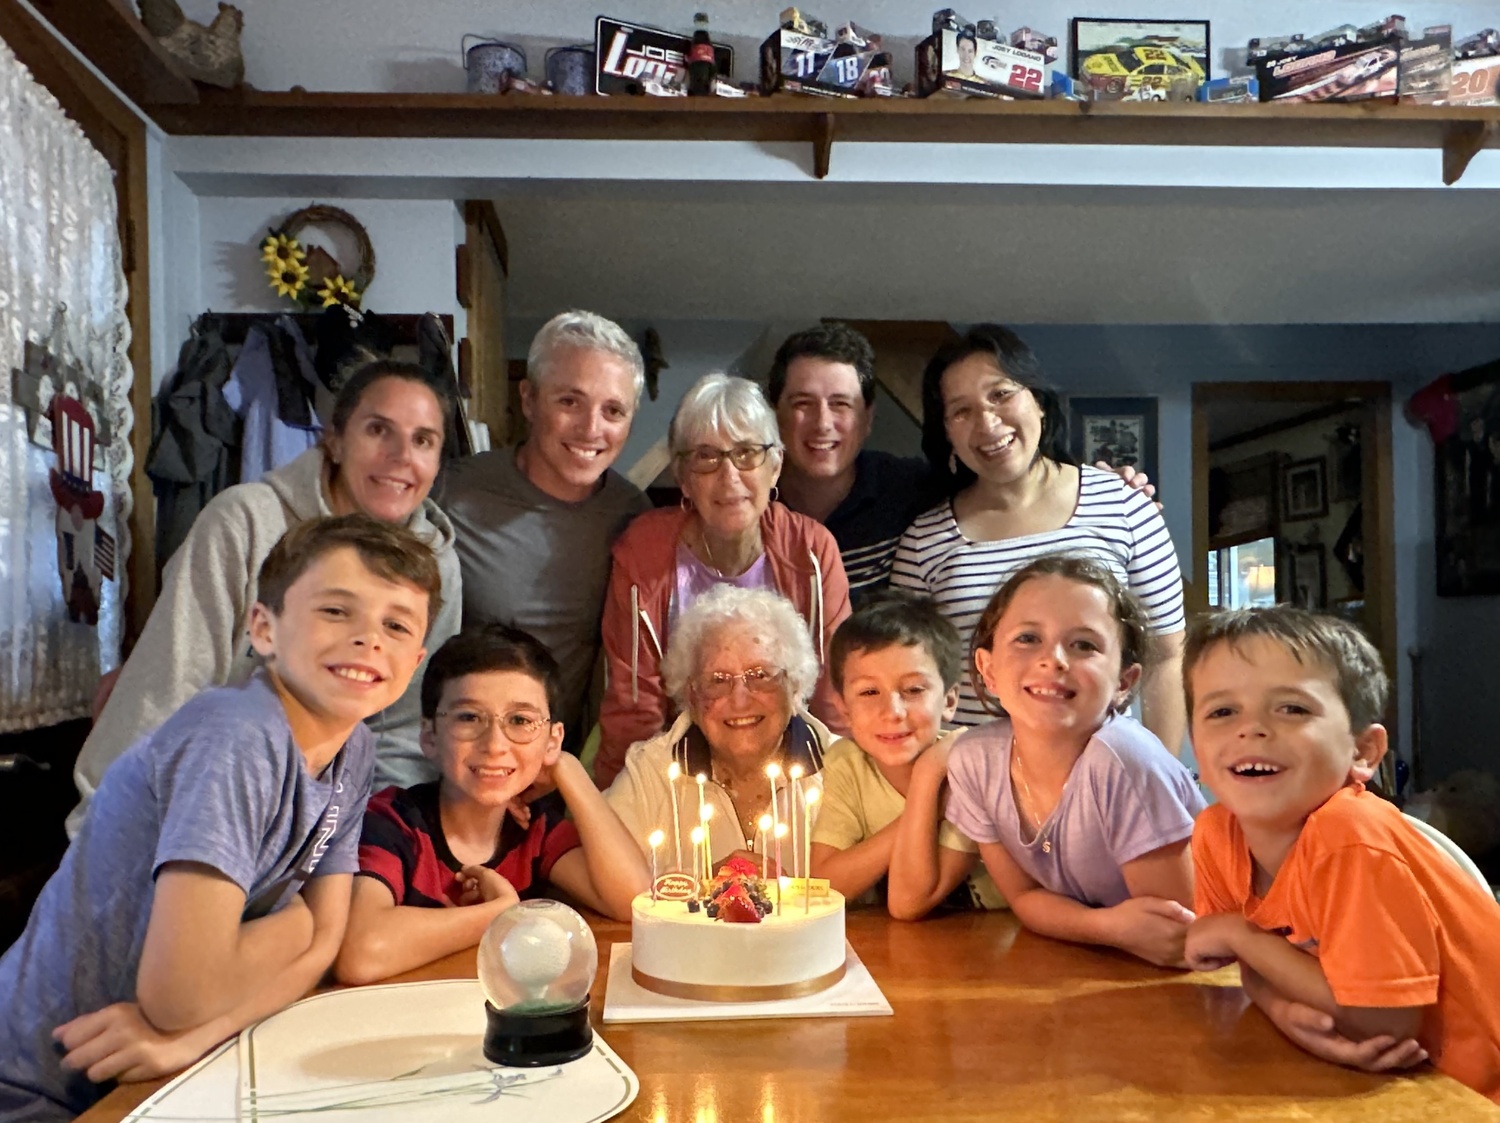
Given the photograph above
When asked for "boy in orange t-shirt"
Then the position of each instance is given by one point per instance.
(1361, 941)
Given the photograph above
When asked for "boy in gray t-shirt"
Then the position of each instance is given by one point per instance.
(210, 882)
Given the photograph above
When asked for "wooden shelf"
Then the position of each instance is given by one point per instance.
(1459, 131)
(112, 37)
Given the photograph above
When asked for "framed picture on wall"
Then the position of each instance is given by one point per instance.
(1304, 489)
(1306, 576)
(1116, 431)
(1141, 59)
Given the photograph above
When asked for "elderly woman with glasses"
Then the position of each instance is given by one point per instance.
(740, 667)
(729, 530)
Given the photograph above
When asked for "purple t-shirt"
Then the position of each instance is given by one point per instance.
(1126, 796)
(221, 783)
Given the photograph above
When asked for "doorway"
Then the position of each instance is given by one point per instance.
(1293, 502)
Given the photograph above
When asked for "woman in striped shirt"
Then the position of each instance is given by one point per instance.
(998, 430)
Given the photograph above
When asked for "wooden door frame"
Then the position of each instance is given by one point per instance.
(119, 135)
(1378, 473)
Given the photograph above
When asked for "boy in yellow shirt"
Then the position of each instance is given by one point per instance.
(895, 663)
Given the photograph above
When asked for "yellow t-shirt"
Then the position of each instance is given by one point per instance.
(858, 801)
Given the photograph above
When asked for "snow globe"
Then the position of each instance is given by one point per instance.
(536, 964)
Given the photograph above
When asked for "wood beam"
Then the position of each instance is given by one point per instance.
(112, 37)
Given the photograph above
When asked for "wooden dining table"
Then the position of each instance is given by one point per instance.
(989, 1022)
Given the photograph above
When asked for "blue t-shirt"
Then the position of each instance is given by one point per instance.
(222, 783)
(1125, 797)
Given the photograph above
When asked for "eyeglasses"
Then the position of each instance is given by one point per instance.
(757, 680)
(704, 460)
(465, 724)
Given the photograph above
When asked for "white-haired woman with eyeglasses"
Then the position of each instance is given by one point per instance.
(740, 668)
(728, 530)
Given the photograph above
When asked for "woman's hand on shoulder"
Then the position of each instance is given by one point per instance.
(1132, 478)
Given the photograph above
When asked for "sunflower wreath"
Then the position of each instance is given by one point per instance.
(309, 274)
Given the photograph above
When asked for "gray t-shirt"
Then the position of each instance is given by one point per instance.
(222, 783)
(537, 563)
(1125, 797)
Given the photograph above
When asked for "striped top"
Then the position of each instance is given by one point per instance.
(1112, 523)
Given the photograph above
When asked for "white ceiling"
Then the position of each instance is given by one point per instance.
(774, 251)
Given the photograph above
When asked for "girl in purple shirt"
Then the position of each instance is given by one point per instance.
(1082, 817)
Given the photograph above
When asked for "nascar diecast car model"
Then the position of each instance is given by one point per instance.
(1145, 73)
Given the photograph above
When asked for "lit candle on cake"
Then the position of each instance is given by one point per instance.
(779, 830)
(764, 836)
(773, 772)
(655, 840)
(794, 773)
(702, 779)
(697, 857)
(809, 797)
(705, 815)
(674, 773)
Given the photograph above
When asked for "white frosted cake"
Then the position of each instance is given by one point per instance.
(692, 954)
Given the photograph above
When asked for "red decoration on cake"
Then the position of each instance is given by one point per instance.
(737, 895)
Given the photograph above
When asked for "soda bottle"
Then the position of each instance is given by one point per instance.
(702, 68)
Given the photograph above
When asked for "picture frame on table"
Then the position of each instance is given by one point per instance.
(1304, 489)
(1306, 568)
(1174, 64)
(1118, 431)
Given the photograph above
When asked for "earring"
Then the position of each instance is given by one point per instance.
(775, 493)
(953, 463)
(685, 503)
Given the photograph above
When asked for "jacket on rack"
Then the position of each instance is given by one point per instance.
(805, 567)
(191, 456)
(272, 388)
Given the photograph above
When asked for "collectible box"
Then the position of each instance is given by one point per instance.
(802, 57)
(1426, 65)
(646, 60)
(1349, 71)
(973, 60)
(1226, 91)
(1475, 81)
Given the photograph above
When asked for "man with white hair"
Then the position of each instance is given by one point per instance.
(535, 523)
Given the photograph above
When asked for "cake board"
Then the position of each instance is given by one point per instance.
(856, 995)
(402, 1051)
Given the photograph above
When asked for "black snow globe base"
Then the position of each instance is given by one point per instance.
(530, 1040)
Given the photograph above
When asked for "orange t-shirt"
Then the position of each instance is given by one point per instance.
(1392, 920)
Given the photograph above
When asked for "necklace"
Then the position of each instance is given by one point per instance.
(1028, 806)
(713, 565)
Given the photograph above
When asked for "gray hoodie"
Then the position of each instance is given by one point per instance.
(196, 634)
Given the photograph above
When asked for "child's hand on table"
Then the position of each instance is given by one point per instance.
(1313, 1030)
(1211, 941)
(118, 1043)
(480, 885)
(1154, 929)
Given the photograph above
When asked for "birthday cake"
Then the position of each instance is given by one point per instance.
(738, 938)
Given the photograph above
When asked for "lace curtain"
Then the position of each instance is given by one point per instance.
(59, 248)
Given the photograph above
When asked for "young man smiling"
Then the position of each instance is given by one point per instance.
(823, 390)
(535, 523)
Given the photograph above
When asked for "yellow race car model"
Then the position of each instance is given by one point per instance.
(1145, 73)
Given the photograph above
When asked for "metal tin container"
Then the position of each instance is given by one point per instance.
(488, 61)
(570, 70)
